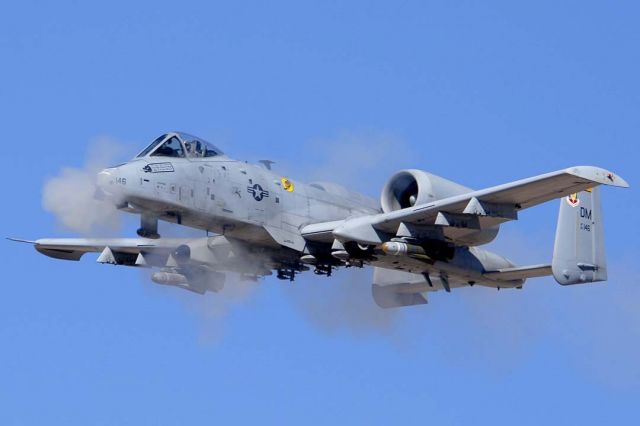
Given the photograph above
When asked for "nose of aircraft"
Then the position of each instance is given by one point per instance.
(114, 183)
(105, 184)
(104, 177)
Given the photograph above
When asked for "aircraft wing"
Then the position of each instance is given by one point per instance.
(75, 248)
(195, 264)
(474, 210)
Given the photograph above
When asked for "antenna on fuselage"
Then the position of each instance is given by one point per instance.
(267, 163)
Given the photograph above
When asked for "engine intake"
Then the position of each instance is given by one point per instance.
(408, 188)
(182, 254)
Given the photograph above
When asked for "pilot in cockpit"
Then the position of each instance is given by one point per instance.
(199, 150)
(180, 145)
(194, 149)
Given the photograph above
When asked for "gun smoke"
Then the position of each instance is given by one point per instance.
(499, 329)
(69, 196)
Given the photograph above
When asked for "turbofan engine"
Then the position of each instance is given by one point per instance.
(408, 188)
(412, 187)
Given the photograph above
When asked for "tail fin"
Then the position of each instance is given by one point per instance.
(578, 253)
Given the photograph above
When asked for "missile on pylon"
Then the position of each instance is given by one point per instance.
(169, 278)
(433, 250)
(396, 248)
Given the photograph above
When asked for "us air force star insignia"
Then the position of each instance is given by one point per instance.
(573, 200)
(287, 185)
(257, 192)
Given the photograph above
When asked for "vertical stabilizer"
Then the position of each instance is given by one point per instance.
(578, 253)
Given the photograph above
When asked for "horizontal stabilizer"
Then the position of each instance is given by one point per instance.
(519, 272)
(394, 289)
(386, 297)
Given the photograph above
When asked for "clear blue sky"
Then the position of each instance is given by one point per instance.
(481, 92)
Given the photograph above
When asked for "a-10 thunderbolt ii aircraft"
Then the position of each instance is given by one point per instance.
(423, 235)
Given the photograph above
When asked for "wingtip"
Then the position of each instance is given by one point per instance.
(622, 183)
(599, 175)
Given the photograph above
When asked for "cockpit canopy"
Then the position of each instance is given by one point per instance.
(180, 145)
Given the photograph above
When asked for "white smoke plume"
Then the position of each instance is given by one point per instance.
(500, 329)
(342, 303)
(359, 161)
(213, 308)
(69, 196)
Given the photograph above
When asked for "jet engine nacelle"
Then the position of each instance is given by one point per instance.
(412, 187)
(220, 254)
(408, 188)
(208, 251)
